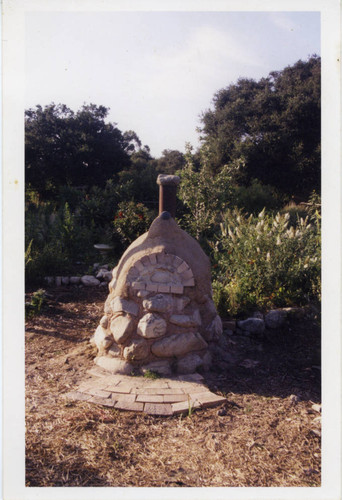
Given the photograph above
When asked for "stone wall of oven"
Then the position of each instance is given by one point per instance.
(159, 314)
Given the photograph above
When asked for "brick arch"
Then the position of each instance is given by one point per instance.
(160, 272)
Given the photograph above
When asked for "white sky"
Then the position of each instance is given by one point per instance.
(157, 71)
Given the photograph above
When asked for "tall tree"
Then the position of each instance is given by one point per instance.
(67, 148)
(273, 124)
(170, 161)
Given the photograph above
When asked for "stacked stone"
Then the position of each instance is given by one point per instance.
(159, 314)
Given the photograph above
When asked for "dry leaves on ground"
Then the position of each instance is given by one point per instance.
(263, 436)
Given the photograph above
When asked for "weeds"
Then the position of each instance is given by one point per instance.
(151, 374)
(36, 304)
(191, 406)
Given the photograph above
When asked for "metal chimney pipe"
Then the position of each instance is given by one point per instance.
(167, 193)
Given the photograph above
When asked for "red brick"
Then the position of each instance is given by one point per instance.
(129, 406)
(151, 287)
(177, 261)
(184, 407)
(136, 285)
(158, 390)
(186, 275)
(150, 398)
(175, 398)
(158, 409)
(98, 392)
(160, 258)
(139, 266)
(190, 282)
(177, 289)
(183, 267)
(125, 398)
(209, 399)
(122, 389)
(102, 401)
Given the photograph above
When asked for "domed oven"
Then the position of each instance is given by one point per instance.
(159, 314)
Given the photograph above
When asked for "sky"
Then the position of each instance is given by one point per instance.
(157, 71)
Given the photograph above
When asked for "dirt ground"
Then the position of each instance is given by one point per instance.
(268, 434)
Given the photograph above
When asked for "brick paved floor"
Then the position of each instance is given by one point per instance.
(162, 396)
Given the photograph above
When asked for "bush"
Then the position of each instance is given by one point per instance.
(36, 304)
(54, 241)
(50, 260)
(56, 237)
(131, 220)
(256, 196)
(262, 262)
(204, 195)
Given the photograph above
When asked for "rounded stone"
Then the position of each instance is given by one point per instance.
(114, 365)
(214, 329)
(104, 322)
(121, 328)
(137, 350)
(252, 325)
(50, 280)
(114, 351)
(89, 281)
(165, 215)
(178, 345)
(189, 363)
(185, 320)
(158, 303)
(102, 339)
(162, 367)
(275, 318)
(207, 360)
(151, 326)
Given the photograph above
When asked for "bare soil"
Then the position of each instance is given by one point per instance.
(267, 434)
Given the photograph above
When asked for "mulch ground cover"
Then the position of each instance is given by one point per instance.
(267, 434)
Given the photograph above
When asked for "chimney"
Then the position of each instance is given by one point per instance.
(167, 193)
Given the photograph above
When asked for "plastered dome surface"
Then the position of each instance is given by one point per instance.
(159, 314)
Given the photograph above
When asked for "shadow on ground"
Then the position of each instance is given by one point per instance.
(282, 363)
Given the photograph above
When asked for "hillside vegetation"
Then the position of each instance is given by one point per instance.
(87, 182)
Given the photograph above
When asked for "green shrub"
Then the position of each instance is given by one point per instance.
(204, 195)
(54, 241)
(61, 233)
(131, 220)
(50, 260)
(256, 196)
(70, 195)
(262, 262)
(97, 208)
(36, 304)
(151, 374)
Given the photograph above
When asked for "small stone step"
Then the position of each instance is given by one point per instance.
(162, 397)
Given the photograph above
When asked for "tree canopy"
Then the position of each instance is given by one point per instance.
(270, 127)
(170, 161)
(64, 148)
(273, 125)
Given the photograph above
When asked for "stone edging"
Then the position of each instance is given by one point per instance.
(101, 277)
